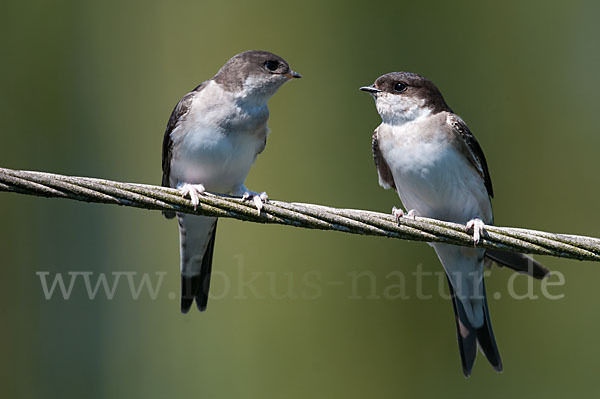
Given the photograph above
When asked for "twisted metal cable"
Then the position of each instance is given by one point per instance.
(309, 216)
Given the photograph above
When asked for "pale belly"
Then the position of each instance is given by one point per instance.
(436, 180)
(219, 162)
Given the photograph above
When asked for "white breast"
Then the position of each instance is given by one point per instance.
(218, 141)
(431, 175)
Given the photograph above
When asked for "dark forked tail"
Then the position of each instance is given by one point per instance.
(197, 287)
(470, 337)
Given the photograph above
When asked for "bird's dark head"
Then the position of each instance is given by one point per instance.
(255, 72)
(405, 96)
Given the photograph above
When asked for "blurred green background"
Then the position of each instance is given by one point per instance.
(87, 88)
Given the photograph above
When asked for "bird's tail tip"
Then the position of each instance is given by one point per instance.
(192, 290)
(470, 338)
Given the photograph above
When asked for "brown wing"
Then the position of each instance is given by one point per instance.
(181, 109)
(386, 179)
(472, 149)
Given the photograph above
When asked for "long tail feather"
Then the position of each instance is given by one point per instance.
(197, 236)
(204, 287)
(468, 337)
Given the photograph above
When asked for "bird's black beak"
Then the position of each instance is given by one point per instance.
(370, 89)
(292, 75)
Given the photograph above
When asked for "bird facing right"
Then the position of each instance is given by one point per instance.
(212, 139)
(426, 152)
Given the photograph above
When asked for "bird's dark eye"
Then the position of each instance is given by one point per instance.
(271, 65)
(400, 87)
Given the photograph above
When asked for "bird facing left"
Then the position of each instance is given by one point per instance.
(426, 152)
(212, 139)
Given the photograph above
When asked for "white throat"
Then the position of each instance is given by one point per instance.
(256, 92)
(397, 110)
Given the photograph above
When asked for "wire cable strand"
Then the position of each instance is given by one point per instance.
(310, 216)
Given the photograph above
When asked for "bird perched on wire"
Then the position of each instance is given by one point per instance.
(426, 152)
(212, 139)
